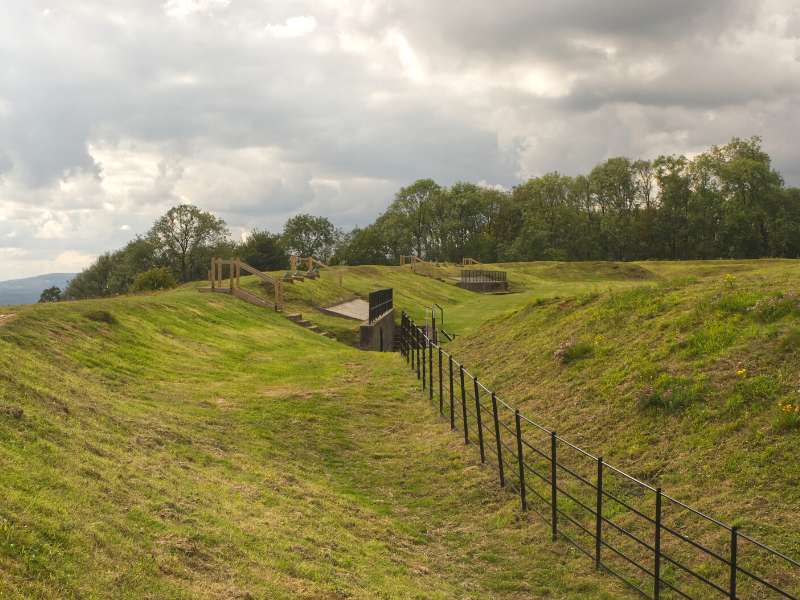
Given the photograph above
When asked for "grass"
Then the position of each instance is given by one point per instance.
(682, 382)
(184, 445)
(187, 445)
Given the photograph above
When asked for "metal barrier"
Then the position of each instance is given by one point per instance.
(655, 544)
(380, 302)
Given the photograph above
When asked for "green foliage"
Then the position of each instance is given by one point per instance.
(727, 202)
(709, 340)
(183, 239)
(753, 391)
(572, 351)
(101, 316)
(671, 393)
(308, 235)
(264, 251)
(51, 294)
(737, 302)
(151, 280)
(774, 308)
(788, 418)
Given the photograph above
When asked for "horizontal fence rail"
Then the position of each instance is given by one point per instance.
(380, 302)
(655, 544)
(482, 276)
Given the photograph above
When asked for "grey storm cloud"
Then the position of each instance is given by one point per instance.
(111, 110)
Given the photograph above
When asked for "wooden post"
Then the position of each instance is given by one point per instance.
(232, 272)
(340, 278)
(310, 260)
(293, 263)
(238, 272)
(211, 275)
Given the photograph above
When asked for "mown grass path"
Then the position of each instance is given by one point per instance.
(193, 446)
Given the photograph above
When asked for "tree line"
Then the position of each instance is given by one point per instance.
(179, 246)
(727, 202)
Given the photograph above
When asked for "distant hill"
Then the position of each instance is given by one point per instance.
(27, 290)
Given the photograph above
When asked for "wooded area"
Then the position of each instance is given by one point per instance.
(727, 202)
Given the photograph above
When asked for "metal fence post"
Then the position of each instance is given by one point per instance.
(452, 398)
(430, 369)
(734, 567)
(553, 485)
(598, 522)
(496, 418)
(424, 365)
(417, 344)
(521, 462)
(657, 565)
(478, 420)
(463, 403)
(441, 385)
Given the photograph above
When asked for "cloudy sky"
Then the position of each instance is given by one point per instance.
(111, 111)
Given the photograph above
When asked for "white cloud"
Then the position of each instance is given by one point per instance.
(260, 110)
(184, 8)
(293, 27)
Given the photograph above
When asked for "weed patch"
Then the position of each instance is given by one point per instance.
(571, 351)
(774, 308)
(101, 316)
(671, 394)
(754, 391)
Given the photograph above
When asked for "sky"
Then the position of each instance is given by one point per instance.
(112, 111)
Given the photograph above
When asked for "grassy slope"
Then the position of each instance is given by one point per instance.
(679, 383)
(464, 311)
(199, 447)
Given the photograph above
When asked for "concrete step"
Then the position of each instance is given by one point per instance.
(304, 323)
(314, 328)
(295, 317)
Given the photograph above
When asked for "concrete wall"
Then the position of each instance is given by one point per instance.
(382, 330)
(487, 286)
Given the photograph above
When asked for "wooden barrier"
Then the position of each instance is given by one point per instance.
(469, 261)
(235, 268)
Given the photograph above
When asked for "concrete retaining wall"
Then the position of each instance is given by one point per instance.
(378, 336)
(484, 286)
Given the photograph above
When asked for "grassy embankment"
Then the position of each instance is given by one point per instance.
(184, 445)
(692, 384)
(464, 311)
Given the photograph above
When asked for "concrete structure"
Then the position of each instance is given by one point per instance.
(378, 336)
(484, 286)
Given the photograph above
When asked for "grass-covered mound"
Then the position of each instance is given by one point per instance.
(691, 383)
(186, 445)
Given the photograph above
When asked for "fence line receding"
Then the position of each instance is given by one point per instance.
(657, 545)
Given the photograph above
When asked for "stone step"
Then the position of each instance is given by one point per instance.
(295, 317)
(314, 328)
(304, 323)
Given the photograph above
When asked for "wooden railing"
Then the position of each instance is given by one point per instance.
(235, 267)
(309, 260)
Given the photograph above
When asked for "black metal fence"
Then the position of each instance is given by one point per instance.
(380, 302)
(482, 276)
(657, 545)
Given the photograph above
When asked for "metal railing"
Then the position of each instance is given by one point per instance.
(380, 302)
(654, 543)
(482, 276)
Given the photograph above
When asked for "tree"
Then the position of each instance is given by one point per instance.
(182, 237)
(51, 294)
(151, 280)
(413, 205)
(308, 235)
(263, 250)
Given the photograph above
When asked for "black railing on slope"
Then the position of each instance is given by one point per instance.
(380, 302)
(482, 276)
(657, 545)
